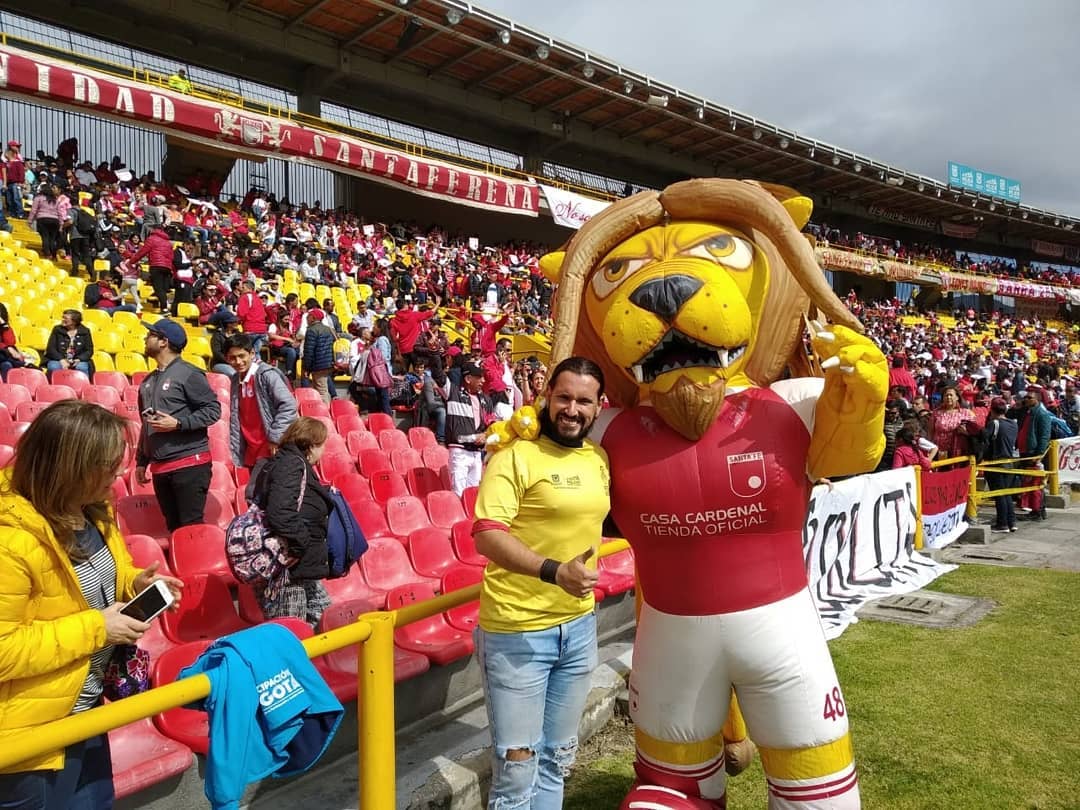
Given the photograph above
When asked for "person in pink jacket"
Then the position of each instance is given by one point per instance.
(908, 452)
(158, 250)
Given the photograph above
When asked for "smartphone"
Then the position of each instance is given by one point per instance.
(149, 604)
(149, 412)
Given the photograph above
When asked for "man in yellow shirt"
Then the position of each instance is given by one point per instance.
(539, 517)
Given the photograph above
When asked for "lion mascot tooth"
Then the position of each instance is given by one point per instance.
(693, 300)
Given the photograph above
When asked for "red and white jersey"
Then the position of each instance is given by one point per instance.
(716, 525)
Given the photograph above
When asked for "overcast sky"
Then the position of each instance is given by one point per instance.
(989, 83)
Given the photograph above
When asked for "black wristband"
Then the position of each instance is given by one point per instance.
(548, 570)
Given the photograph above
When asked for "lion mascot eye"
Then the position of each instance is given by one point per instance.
(613, 273)
(730, 251)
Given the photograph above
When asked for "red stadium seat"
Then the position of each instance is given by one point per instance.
(28, 411)
(142, 756)
(10, 433)
(154, 641)
(137, 377)
(200, 549)
(220, 450)
(359, 440)
(104, 395)
(306, 395)
(112, 379)
(354, 487)
(444, 508)
(433, 636)
(219, 382)
(464, 545)
(119, 488)
(468, 501)
(219, 509)
(221, 480)
(430, 552)
(392, 440)
(344, 407)
(131, 394)
(241, 476)
(421, 437)
(5, 414)
(616, 573)
(7, 453)
(406, 514)
(385, 565)
(436, 457)
(353, 587)
(13, 395)
(140, 514)
(219, 431)
(463, 617)
(317, 409)
(336, 446)
(387, 484)
(348, 422)
(247, 605)
(403, 459)
(406, 664)
(54, 393)
(338, 465)
(206, 612)
(187, 726)
(421, 481)
(29, 378)
(128, 410)
(145, 550)
(378, 422)
(135, 488)
(372, 519)
(73, 378)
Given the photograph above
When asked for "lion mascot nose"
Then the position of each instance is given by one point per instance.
(665, 296)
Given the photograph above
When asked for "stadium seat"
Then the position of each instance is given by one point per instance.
(70, 377)
(241, 476)
(54, 393)
(348, 422)
(373, 461)
(461, 538)
(219, 509)
(221, 480)
(130, 363)
(131, 393)
(199, 346)
(353, 586)
(28, 411)
(354, 487)
(616, 573)
(421, 481)
(186, 726)
(406, 664)
(444, 508)
(119, 488)
(421, 437)
(206, 612)
(7, 453)
(390, 440)
(332, 467)
(140, 514)
(358, 440)
(103, 361)
(128, 410)
(145, 550)
(10, 433)
(220, 450)
(104, 395)
(385, 565)
(463, 617)
(430, 552)
(335, 444)
(343, 407)
(142, 756)
(315, 409)
(138, 376)
(200, 549)
(306, 395)
(378, 422)
(468, 501)
(219, 382)
(405, 514)
(436, 457)
(5, 415)
(12, 394)
(403, 459)
(113, 379)
(387, 484)
(135, 488)
(372, 519)
(433, 636)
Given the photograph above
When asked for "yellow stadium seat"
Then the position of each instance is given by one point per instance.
(36, 337)
(129, 321)
(306, 291)
(5, 236)
(291, 275)
(135, 341)
(195, 360)
(188, 312)
(97, 318)
(199, 346)
(322, 292)
(38, 311)
(130, 362)
(103, 361)
(109, 340)
(18, 323)
(101, 265)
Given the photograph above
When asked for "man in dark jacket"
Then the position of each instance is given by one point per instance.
(228, 325)
(319, 353)
(177, 406)
(999, 438)
(468, 413)
(1033, 439)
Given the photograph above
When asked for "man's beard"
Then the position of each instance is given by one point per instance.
(551, 430)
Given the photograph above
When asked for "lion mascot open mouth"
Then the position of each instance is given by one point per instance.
(693, 301)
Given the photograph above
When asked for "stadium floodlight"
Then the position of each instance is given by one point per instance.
(858, 167)
(757, 134)
(974, 202)
(993, 207)
(1024, 215)
(657, 100)
(811, 152)
(922, 187)
(1068, 226)
(835, 160)
(454, 16)
(542, 52)
(1057, 221)
(628, 86)
(938, 192)
(732, 124)
(588, 71)
(784, 143)
(503, 35)
(700, 112)
(403, 3)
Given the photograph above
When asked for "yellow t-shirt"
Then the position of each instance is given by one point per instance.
(554, 500)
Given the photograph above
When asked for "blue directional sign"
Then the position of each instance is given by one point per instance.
(992, 185)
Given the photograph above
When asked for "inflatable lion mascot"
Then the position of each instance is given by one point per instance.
(693, 300)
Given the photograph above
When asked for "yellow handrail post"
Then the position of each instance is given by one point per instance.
(973, 489)
(1052, 462)
(918, 508)
(375, 712)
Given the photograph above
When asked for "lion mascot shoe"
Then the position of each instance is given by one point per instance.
(693, 300)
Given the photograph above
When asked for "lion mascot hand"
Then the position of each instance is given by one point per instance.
(524, 424)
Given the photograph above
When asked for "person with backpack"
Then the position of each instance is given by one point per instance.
(999, 439)
(297, 509)
(158, 250)
(262, 404)
(82, 239)
(183, 276)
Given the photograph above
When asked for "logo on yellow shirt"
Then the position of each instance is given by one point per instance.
(570, 482)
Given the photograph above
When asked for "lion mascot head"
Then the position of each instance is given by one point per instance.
(683, 293)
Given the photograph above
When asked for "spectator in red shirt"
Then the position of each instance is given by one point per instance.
(405, 329)
(252, 313)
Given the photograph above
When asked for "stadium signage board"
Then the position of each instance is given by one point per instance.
(41, 79)
(993, 185)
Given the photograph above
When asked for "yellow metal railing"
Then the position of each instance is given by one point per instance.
(373, 632)
(1048, 476)
(222, 96)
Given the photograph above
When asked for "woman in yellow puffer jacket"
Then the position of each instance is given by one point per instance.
(64, 575)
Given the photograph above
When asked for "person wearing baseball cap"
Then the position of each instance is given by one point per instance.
(468, 413)
(318, 356)
(177, 406)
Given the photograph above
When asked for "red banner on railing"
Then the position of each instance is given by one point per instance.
(944, 502)
(40, 79)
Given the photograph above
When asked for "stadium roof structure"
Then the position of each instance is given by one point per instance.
(577, 103)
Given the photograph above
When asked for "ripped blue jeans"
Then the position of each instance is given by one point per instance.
(535, 684)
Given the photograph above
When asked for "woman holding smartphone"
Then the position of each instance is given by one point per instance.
(65, 574)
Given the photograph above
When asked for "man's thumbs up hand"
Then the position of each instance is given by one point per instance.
(575, 577)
